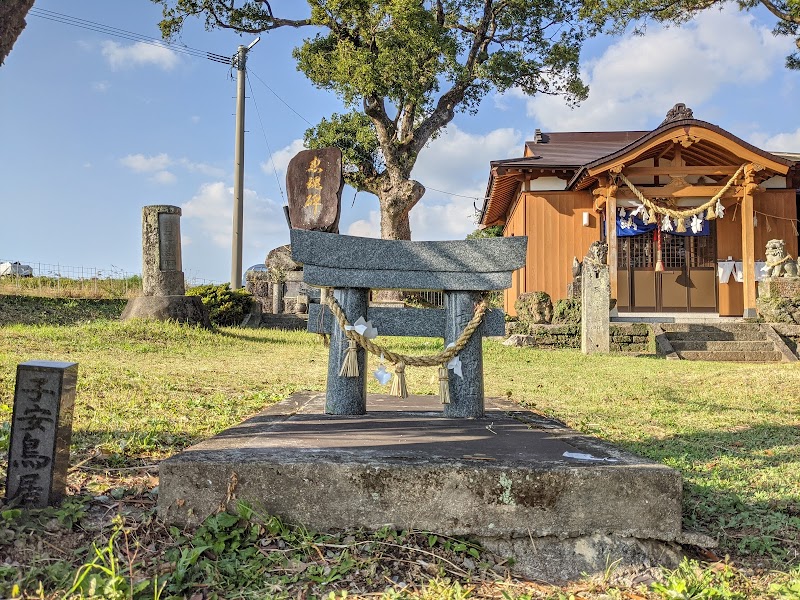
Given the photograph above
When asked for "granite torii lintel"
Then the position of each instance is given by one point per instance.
(462, 269)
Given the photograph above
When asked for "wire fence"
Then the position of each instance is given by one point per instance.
(45, 279)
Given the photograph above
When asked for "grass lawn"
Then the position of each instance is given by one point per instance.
(147, 390)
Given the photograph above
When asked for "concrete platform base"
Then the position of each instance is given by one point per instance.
(183, 309)
(560, 502)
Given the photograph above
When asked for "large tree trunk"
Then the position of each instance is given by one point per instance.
(12, 22)
(396, 200)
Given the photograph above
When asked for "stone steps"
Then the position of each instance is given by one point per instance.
(715, 336)
(734, 342)
(731, 356)
(722, 346)
(290, 322)
(709, 327)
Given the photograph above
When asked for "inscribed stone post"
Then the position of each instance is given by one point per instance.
(314, 185)
(595, 300)
(162, 267)
(163, 288)
(41, 432)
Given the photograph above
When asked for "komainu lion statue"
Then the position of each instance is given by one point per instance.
(597, 254)
(779, 264)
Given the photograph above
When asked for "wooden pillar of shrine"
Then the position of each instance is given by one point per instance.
(611, 234)
(748, 241)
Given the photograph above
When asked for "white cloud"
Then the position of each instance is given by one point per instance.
(366, 227)
(139, 54)
(210, 213)
(140, 163)
(639, 78)
(451, 220)
(101, 86)
(194, 119)
(282, 157)
(202, 168)
(783, 142)
(164, 177)
(457, 161)
(431, 219)
(157, 167)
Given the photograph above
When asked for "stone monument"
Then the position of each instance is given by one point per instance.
(163, 289)
(41, 431)
(314, 186)
(595, 299)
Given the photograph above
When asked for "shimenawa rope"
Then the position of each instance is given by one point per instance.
(680, 215)
(350, 364)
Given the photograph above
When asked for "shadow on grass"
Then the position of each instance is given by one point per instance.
(292, 336)
(741, 486)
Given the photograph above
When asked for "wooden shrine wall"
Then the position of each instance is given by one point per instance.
(553, 222)
(781, 206)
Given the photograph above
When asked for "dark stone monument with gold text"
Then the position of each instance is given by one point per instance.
(314, 185)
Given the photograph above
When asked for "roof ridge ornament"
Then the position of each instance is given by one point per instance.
(677, 113)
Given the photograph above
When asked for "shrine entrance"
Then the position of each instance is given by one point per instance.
(684, 280)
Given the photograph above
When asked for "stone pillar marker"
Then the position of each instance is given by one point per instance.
(163, 287)
(41, 432)
(162, 264)
(595, 301)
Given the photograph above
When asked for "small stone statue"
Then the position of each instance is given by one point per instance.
(597, 254)
(779, 264)
(574, 286)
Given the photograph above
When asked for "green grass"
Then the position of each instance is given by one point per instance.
(147, 390)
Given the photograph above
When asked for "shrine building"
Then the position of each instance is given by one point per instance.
(686, 210)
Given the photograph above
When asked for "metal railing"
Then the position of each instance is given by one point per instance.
(60, 280)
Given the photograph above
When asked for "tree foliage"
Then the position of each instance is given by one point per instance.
(404, 68)
(621, 13)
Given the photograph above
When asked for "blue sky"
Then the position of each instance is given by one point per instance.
(94, 127)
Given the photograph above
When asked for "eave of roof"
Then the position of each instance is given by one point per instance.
(591, 154)
(679, 124)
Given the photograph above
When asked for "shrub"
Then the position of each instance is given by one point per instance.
(486, 232)
(225, 306)
(534, 308)
(567, 311)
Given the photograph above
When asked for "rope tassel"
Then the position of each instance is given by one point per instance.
(399, 387)
(350, 364)
(444, 385)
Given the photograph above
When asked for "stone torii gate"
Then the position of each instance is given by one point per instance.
(463, 269)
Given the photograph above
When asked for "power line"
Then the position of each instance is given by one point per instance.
(188, 51)
(427, 187)
(289, 106)
(264, 132)
(124, 34)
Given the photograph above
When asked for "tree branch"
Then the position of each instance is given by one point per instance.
(445, 107)
(784, 16)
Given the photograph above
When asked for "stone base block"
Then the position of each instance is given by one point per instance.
(779, 287)
(183, 309)
(503, 480)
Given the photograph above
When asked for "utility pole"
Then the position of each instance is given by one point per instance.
(240, 62)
